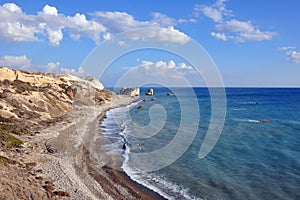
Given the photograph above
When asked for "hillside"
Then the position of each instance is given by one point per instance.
(30, 104)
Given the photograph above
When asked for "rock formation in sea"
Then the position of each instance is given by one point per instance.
(130, 91)
(150, 92)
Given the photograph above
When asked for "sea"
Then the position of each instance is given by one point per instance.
(256, 156)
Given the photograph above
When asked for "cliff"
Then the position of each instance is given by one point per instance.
(31, 104)
(37, 97)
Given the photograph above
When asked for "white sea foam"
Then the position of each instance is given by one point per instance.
(253, 121)
(237, 109)
(154, 182)
(247, 120)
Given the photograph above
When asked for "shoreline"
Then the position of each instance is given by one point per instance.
(85, 175)
(121, 177)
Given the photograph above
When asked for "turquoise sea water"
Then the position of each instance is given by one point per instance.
(251, 160)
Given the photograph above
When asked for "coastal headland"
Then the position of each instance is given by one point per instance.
(49, 139)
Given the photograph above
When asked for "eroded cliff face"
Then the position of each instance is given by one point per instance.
(39, 97)
(31, 102)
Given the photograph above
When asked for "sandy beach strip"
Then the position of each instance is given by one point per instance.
(79, 167)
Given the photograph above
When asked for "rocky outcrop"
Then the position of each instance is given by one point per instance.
(150, 92)
(31, 103)
(94, 82)
(140, 107)
(38, 97)
(130, 91)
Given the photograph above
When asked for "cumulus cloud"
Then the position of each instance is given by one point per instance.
(163, 20)
(71, 71)
(232, 29)
(17, 26)
(240, 31)
(15, 61)
(169, 73)
(291, 53)
(216, 12)
(162, 68)
(293, 56)
(52, 66)
(23, 62)
(220, 36)
(167, 35)
(120, 21)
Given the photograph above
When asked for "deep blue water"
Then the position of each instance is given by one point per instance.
(251, 159)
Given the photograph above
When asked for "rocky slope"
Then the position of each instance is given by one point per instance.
(31, 102)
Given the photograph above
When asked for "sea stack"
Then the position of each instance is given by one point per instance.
(130, 91)
(150, 92)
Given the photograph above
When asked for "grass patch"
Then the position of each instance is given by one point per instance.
(10, 141)
(7, 128)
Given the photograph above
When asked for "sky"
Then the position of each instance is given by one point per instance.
(252, 43)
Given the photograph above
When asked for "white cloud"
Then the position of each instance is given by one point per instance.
(164, 20)
(231, 29)
(235, 26)
(52, 66)
(73, 71)
(240, 31)
(23, 62)
(50, 10)
(162, 68)
(220, 36)
(291, 53)
(12, 7)
(216, 12)
(55, 36)
(17, 26)
(170, 35)
(15, 61)
(293, 56)
(160, 72)
(256, 35)
(120, 21)
(286, 48)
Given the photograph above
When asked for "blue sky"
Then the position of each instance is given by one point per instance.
(253, 43)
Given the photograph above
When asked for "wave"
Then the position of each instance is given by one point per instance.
(237, 109)
(152, 181)
(247, 120)
(157, 183)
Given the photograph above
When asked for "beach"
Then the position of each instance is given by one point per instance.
(50, 137)
(76, 169)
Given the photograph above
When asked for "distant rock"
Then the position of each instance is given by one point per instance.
(140, 107)
(266, 120)
(150, 92)
(130, 91)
